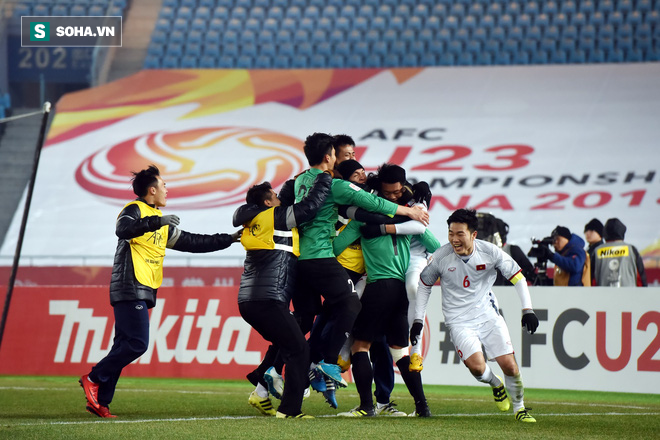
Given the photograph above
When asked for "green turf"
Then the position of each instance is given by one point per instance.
(54, 407)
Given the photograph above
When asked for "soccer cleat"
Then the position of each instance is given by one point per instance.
(421, 410)
(317, 381)
(101, 411)
(329, 393)
(501, 397)
(389, 410)
(333, 371)
(264, 406)
(358, 412)
(416, 363)
(91, 391)
(524, 416)
(275, 383)
(280, 415)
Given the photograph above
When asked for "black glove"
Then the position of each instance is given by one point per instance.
(170, 220)
(415, 332)
(372, 231)
(237, 235)
(546, 252)
(422, 193)
(530, 321)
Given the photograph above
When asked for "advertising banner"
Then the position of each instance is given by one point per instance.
(537, 146)
(601, 339)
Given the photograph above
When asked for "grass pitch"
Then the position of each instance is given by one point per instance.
(54, 408)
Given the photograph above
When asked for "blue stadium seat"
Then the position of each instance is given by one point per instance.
(605, 44)
(634, 18)
(189, 62)
(380, 48)
(354, 61)
(221, 12)
(415, 23)
(231, 37)
(252, 24)
(248, 37)
(312, 12)
(347, 11)
(457, 10)
(398, 47)
(276, 13)
(230, 50)
(336, 61)
(361, 48)
(521, 57)
(239, 13)
(427, 35)
(188, 3)
(324, 48)
(597, 18)
(305, 49)
(286, 49)
(177, 37)
(540, 57)
(529, 45)
(289, 24)
(484, 59)
(155, 49)
(330, 12)
(531, 8)
(410, 60)
(606, 6)
(384, 11)
(498, 33)
(633, 55)
(417, 47)
(548, 45)
(577, 57)
(644, 5)
(159, 37)
(391, 60)
(510, 45)
(568, 7)
(319, 36)
(586, 6)
(516, 32)
(451, 23)
(318, 61)
(439, 10)
(270, 24)
(626, 30)
(596, 56)
(152, 62)
(493, 46)
(203, 12)
(170, 62)
(567, 44)
(185, 13)
(76, 10)
(171, 3)
(503, 58)
(343, 24)
(281, 3)
(325, 24)
(578, 19)
(402, 11)
(524, 20)
(301, 36)
(180, 24)
(643, 30)
(269, 50)
(428, 59)
(447, 59)
(487, 22)
(212, 37)
(373, 60)
(624, 43)
(570, 31)
(366, 11)
(195, 36)
(263, 62)
(476, 10)
(652, 17)
(343, 48)
(588, 31)
(198, 24)
(615, 56)
(560, 19)
(462, 35)
(283, 36)
(550, 7)
(455, 47)
(265, 37)
(234, 24)
(307, 24)
(586, 44)
(436, 47)
(534, 32)
(174, 49)
(606, 30)
(615, 18)
(552, 32)
(513, 8)
(474, 46)
(494, 9)
(226, 62)
(44, 10)
(433, 23)
(559, 57)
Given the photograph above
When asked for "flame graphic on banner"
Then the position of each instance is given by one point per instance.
(203, 168)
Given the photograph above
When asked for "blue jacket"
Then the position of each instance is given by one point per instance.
(571, 259)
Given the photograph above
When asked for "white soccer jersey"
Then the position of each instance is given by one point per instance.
(466, 286)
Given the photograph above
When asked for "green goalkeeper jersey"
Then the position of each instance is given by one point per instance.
(316, 235)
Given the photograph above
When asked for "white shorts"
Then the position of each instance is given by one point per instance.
(492, 334)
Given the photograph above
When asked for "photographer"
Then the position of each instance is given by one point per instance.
(572, 267)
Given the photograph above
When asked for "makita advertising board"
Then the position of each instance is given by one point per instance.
(589, 338)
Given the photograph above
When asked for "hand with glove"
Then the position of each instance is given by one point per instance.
(529, 321)
(422, 193)
(415, 332)
(169, 220)
(372, 231)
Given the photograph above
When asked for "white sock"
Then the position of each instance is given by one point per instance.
(262, 391)
(514, 387)
(381, 405)
(489, 378)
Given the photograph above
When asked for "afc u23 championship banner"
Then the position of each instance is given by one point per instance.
(538, 146)
(600, 338)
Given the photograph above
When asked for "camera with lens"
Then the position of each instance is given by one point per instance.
(540, 267)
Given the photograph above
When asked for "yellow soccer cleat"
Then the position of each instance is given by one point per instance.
(280, 415)
(264, 406)
(524, 416)
(416, 363)
(501, 397)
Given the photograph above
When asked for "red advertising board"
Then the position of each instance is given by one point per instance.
(194, 332)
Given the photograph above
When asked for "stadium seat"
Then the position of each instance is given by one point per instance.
(513, 8)
(312, 12)
(570, 31)
(336, 62)
(542, 20)
(597, 18)
(415, 23)
(361, 48)
(567, 44)
(475, 10)
(447, 59)
(552, 32)
(606, 6)
(397, 24)
(76, 11)
(212, 37)
(529, 45)
(559, 57)
(568, 7)
(170, 62)
(284, 36)
(216, 24)
(487, 22)
(204, 13)
(521, 57)
(155, 49)
(516, 32)
(276, 13)
(615, 18)
(643, 30)
(548, 45)
(152, 62)
(373, 60)
(318, 61)
(324, 48)
(644, 5)
(307, 24)
(198, 24)
(457, 10)
(305, 49)
(44, 10)
(578, 19)
(211, 50)
(439, 10)
(427, 35)
(633, 55)
(189, 62)
(428, 59)
(343, 48)
(451, 23)
(586, 44)
(331, 13)
(195, 36)
(380, 48)
(301, 36)
(269, 50)
(230, 50)
(495, 9)
(498, 33)
(410, 60)
(398, 47)
(391, 60)
(159, 37)
(634, 18)
(614, 56)
(493, 46)
(524, 20)
(230, 36)
(289, 24)
(63, 10)
(624, 43)
(249, 49)
(577, 57)
(455, 47)
(185, 13)
(534, 32)
(174, 49)
(263, 62)
(180, 24)
(606, 30)
(239, 13)
(588, 31)
(436, 47)
(484, 59)
(560, 19)
(286, 50)
(596, 56)
(343, 24)
(354, 61)
(361, 24)
(652, 18)
(177, 37)
(226, 62)
(539, 57)
(549, 7)
(417, 47)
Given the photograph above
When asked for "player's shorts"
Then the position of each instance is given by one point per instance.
(492, 334)
(384, 312)
(321, 277)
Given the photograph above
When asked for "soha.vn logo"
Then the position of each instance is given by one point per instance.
(203, 167)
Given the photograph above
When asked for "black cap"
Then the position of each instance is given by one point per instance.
(561, 231)
(594, 225)
(348, 167)
(614, 230)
